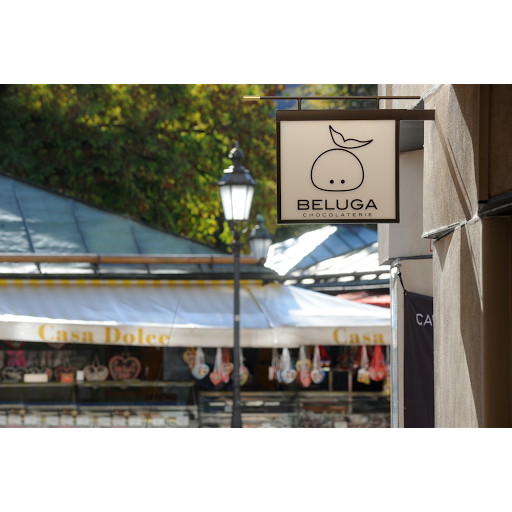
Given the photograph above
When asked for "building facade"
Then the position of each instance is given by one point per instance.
(454, 243)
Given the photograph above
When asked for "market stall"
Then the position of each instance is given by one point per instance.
(110, 349)
(106, 341)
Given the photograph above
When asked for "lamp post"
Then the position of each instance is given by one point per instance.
(236, 193)
(260, 239)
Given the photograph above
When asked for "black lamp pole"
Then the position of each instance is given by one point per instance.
(236, 193)
(236, 420)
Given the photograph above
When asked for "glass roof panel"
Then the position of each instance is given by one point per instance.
(13, 237)
(60, 224)
(50, 219)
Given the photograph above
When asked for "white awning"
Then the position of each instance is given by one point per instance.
(141, 313)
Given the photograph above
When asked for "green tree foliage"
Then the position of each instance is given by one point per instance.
(151, 151)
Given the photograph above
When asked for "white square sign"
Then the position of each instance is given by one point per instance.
(336, 170)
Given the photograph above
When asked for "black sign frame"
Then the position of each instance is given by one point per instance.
(345, 115)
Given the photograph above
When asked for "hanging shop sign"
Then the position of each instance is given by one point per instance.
(339, 166)
(418, 361)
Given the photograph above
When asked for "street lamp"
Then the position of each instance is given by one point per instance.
(236, 193)
(260, 239)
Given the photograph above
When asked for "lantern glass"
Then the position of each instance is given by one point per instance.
(259, 247)
(237, 201)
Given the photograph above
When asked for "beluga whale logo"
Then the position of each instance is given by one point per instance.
(339, 170)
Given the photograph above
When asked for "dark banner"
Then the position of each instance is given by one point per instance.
(418, 361)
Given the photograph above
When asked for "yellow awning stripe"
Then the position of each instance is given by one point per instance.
(121, 282)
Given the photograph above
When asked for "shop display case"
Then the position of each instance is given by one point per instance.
(149, 400)
(338, 409)
(178, 404)
(285, 409)
(165, 393)
(99, 404)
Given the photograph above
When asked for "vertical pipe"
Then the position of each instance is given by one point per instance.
(236, 420)
(394, 344)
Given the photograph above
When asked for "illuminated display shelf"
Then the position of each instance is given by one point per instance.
(102, 383)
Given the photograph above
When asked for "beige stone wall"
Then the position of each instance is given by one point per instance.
(450, 176)
(458, 347)
(473, 325)
(467, 159)
(450, 194)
